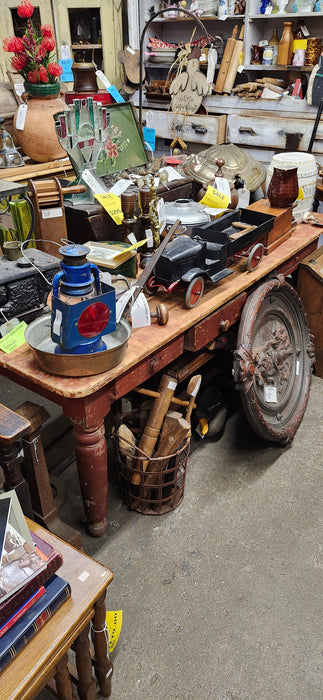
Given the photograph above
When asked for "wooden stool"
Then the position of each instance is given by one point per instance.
(21, 429)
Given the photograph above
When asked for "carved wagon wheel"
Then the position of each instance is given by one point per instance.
(273, 360)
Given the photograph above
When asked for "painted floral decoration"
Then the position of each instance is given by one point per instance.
(33, 52)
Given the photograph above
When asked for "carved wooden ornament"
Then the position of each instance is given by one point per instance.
(273, 361)
(189, 87)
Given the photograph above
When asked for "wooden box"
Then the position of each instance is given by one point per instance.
(310, 290)
(282, 228)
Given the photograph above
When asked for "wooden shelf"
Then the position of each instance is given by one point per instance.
(86, 47)
(212, 18)
(260, 66)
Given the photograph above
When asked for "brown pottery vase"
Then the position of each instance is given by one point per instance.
(283, 188)
(38, 139)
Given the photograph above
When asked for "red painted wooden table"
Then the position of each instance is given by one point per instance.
(86, 401)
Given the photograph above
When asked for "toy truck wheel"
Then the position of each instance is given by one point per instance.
(194, 292)
(255, 256)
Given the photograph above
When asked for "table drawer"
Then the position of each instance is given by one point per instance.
(273, 132)
(198, 128)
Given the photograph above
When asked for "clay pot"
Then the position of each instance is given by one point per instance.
(38, 139)
(283, 188)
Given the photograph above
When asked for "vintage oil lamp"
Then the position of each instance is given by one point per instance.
(83, 307)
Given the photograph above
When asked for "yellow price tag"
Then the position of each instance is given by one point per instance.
(114, 625)
(112, 204)
(14, 339)
(132, 247)
(300, 193)
(215, 199)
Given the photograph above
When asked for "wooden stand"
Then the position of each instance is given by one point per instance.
(282, 228)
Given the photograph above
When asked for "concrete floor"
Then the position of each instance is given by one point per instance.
(220, 598)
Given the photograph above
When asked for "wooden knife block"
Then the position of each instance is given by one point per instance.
(282, 228)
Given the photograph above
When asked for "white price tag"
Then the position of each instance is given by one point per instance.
(57, 322)
(93, 182)
(123, 301)
(140, 313)
(19, 88)
(130, 50)
(149, 236)
(211, 63)
(240, 69)
(132, 238)
(21, 117)
(196, 389)
(65, 52)
(105, 277)
(161, 213)
(172, 173)
(99, 74)
(156, 182)
(270, 394)
(8, 326)
(150, 120)
(52, 213)
(120, 186)
(172, 385)
(84, 576)
(222, 185)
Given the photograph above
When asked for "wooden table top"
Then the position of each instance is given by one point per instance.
(144, 341)
(34, 665)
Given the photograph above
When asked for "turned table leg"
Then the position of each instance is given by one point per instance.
(92, 465)
(86, 685)
(103, 666)
(63, 680)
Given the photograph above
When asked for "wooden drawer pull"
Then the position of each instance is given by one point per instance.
(247, 130)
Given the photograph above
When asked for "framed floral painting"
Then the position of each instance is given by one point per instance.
(124, 147)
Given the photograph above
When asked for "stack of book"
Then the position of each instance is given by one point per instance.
(30, 590)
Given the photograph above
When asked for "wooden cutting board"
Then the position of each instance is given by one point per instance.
(228, 51)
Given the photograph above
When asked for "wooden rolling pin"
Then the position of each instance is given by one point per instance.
(226, 58)
(234, 63)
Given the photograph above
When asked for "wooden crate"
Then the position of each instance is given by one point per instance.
(282, 228)
(310, 290)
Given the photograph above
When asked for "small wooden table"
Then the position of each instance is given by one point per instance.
(45, 656)
(87, 400)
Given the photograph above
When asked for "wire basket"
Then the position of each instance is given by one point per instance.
(151, 485)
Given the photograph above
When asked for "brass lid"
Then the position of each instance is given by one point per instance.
(202, 166)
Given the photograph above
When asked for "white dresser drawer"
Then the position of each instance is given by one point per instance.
(198, 128)
(273, 132)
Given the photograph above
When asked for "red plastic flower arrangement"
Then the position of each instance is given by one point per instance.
(32, 53)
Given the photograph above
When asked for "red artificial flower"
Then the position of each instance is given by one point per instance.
(46, 30)
(48, 44)
(26, 9)
(55, 69)
(18, 62)
(32, 76)
(13, 44)
(111, 148)
(43, 75)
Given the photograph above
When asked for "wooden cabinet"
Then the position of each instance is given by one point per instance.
(8, 26)
(104, 17)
